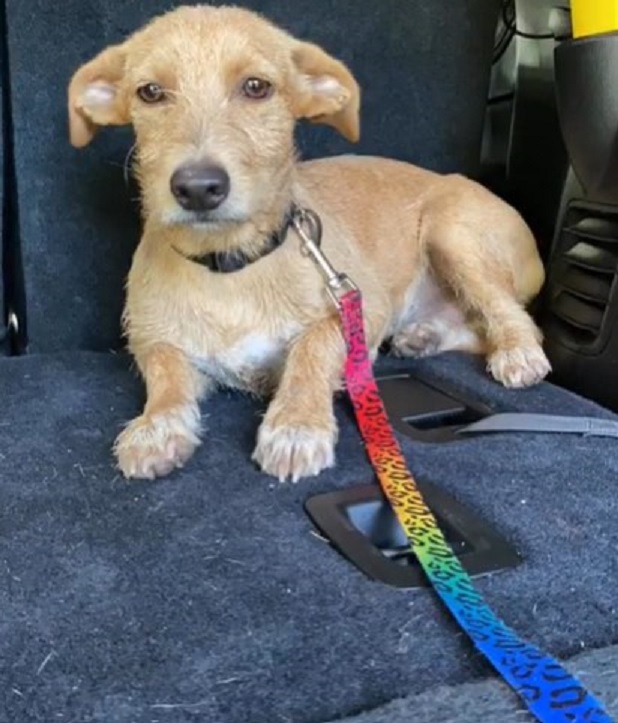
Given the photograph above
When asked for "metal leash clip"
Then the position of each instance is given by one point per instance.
(308, 226)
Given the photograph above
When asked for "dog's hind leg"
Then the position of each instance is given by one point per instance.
(432, 323)
(483, 282)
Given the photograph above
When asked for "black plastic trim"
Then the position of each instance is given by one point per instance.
(425, 412)
(361, 525)
(12, 267)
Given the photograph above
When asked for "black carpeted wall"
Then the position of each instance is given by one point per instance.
(424, 67)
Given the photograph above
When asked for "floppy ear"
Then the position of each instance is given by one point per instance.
(325, 91)
(95, 98)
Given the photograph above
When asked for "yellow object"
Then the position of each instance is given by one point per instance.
(592, 17)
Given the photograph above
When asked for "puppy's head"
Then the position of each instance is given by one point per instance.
(213, 95)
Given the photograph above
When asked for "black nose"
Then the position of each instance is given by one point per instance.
(200, 187)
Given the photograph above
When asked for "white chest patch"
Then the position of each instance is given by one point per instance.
(250, 364)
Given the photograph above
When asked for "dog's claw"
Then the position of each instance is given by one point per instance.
(153, 447)
(294, 452)
(520, 367)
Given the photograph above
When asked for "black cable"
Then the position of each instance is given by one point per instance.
(502, 45)
(512, 24)
(506, 37)
(510, 31)
(502, 98)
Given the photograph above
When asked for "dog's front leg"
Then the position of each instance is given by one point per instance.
(166, 434)
(298, 434)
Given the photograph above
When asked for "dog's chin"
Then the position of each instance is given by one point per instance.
(204, 221)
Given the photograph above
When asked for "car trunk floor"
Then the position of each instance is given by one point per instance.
(208, 596)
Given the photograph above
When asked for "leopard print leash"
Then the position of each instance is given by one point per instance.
(548, 690)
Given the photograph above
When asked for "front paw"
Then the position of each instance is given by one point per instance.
(293, 451)
(153, 446)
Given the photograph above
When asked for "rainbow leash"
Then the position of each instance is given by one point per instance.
(549, 691)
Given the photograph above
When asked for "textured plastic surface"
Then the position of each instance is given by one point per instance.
(580, 310)
(425, 412)
(360, 523)
(587, 95)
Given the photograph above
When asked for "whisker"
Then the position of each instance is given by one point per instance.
(126, 167)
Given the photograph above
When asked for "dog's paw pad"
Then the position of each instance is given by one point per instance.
(520, 367)
(153, 447)
(417, 340)
(294, 452)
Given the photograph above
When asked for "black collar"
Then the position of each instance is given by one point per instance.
(226, 262)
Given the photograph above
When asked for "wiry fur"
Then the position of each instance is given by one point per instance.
(442, 263)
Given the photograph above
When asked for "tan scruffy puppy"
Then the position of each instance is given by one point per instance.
(219, 293)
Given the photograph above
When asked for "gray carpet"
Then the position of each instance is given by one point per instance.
(493, 702)
(206, 597)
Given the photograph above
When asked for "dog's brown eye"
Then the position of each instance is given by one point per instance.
(151, 93)
(256, 88)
